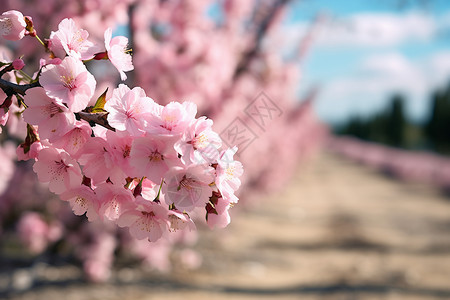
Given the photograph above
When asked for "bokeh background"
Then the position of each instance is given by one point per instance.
(341, 111)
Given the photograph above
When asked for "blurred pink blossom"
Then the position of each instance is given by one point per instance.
(35, 233)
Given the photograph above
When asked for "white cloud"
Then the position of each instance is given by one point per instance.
(368, 88)
(393, 64)
(367, 29)
(378, 77)
(438, 68)
(378, 30)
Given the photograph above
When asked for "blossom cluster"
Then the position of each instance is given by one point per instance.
(125, 159)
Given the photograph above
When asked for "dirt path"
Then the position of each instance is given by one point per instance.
(339, 231)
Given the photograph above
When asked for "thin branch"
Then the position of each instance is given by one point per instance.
(260, 34)
(12, 88)
(97, 118)
(131, 39)
(6, 69)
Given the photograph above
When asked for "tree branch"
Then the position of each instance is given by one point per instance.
(12, 88)
(262, 29)
(97, 118)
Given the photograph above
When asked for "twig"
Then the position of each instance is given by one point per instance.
(261, 32)
(97, 118)
(12, 88)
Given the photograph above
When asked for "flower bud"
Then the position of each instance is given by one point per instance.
(101, 55)
(18, 64)
(29, 28)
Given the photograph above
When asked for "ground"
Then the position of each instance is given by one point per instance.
(338, 231)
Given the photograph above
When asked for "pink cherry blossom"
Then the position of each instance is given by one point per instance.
(71, 40)
(172, 119)
(98, 162)
(227, 174)
(117, 53)
(180, 221)
(148, 221)
(32, 153)
(152, 158)
(61, 171)
(69, 82)
(149, 188)
(82, 200)
(74, 140)
(12, 25)
(128, 109)
(120, 146)
(114, 200)
(188, 188)
(199, 144)
(219, 217)
(100, 131)
(49, 61)
(160, 167)
(53, 118)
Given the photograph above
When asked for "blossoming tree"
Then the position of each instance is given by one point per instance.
(152, 166)
(148, 172)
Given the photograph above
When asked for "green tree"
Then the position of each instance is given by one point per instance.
(437, 127)
(396, 122)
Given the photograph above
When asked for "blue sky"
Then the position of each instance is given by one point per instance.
(364, 51)
(304, 10)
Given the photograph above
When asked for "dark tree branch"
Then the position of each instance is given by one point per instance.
(6, 70)
(97, 118)
(12, 88)
(262, 26)
(131, 39)
(260, 33)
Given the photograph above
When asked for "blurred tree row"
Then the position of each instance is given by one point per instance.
(392, 127)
